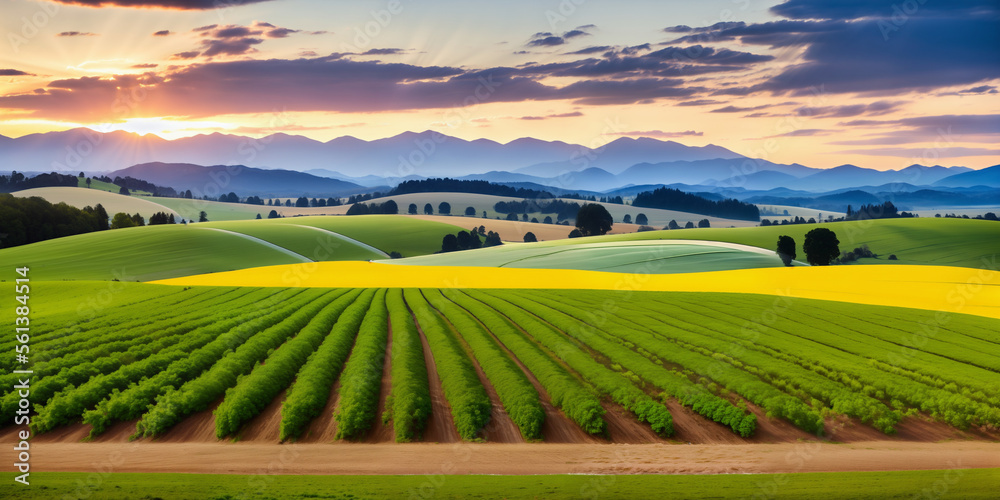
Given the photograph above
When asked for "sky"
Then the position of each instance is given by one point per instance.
(876, 83)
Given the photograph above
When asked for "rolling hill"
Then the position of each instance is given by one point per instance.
(112, 202)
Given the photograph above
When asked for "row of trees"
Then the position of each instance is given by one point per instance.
(30, 220)
(821, 247)
(563, 209)
(470, 240)
(447, 185)
(17, 181)
(675, 199)
(388, 207)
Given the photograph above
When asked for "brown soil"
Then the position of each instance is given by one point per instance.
(197, 427)
(624, 428)
(526, 458)
(440, 426)
(691, 428)
(380, 432)
(323, 428)
(266, 426)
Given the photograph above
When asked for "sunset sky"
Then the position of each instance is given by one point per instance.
(879, 84)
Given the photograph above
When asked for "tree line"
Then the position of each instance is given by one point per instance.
(30, 220)
(17, 181)
(675, 199)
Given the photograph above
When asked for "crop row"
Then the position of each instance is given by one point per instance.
(362, 378)
(410, 398)
(470, 405)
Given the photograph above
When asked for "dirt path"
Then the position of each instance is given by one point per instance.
(440, 426)
(528, 458)
(380, 432)
(323, 428)
(266, 426)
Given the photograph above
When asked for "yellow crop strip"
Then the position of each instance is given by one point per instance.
(936, 288)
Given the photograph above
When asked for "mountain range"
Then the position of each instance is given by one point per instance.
(347, 163)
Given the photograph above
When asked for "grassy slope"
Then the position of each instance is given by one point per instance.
(625, 257)
(969, 483)
(307, 242)
(143, 253)
(105, 186)
(160, 252)
(944, 242)
(189, 209)
(388, 233)
(112, 202)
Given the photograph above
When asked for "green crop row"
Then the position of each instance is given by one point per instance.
(672, 382)
(410, 397)
(519, 397)
(198, 394)
(255, 391)
(133, 402)
(310, 392)
(362, 378)
(470, 405)
(618, 387)
(571, 395)
(691, 334)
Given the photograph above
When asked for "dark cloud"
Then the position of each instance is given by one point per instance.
(575, 33)
(548, 41)
(229, 47)
(944, 128)
(280, 32)
(76, 33)
(737, 109)
(680, 28)
(163, 4)
(858, 9)
(163, 33)
(591, 50)
(876, 108)
(802, 132)
(14, 72)
(557, 115)
(232, 32)
(867, 47)
(145, 66)
(191, 54)
(699, 102)
(383, 52)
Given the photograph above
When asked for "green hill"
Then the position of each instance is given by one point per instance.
(924, 241)
(647, 257)
(167, 251)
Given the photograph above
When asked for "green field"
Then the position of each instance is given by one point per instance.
(969, 484)
(106, 186)
(306, 241)
(216, 211)
(164, 251)
(158, 354)
(621, 257)
(929, 241)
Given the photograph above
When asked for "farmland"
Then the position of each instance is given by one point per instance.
(165, 251)
(503, 366)
(112, 202)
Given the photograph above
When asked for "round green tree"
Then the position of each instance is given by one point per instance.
(821, 246)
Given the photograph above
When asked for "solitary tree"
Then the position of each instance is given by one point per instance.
(673, 225)
(821, 246)
(689, 225)
(88, 181)
(202, 216)
(529, 237)
(484, 214)
(449, 243)
(547, 220)
(627, 219)
(641, 219)
(470, 211)
(413, 209)
(428, 209)
(444, 208)
(786, 249)
(704, 223)
(258, 216)
(593, 219)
